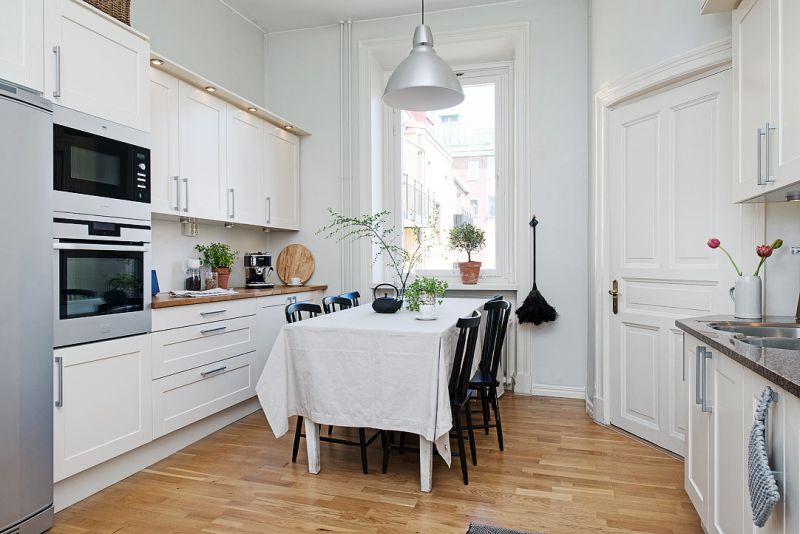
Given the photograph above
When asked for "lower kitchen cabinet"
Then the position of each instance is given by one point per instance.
(722, 398)
(103, 402)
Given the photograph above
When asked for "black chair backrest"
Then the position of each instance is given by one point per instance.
(465, 352)
(497, 314)
(353, 296)
(294, 312)
(330, 303)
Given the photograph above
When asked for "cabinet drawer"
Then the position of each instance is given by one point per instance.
(184, 398)
(193, 314)
(180, 349)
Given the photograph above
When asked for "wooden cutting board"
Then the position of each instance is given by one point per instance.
(295, 261)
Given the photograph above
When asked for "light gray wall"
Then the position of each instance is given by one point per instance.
(304, 84)
(207, 37)
(782, 278)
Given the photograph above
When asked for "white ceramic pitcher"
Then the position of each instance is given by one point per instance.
(746, 296)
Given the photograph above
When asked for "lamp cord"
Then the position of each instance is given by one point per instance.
(423, 11)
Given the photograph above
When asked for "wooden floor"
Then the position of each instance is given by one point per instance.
(560, 472)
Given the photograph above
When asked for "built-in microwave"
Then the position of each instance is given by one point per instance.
(102, 278)
(100, 167)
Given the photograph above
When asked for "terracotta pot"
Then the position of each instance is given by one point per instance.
(469, 272)
(223, 274)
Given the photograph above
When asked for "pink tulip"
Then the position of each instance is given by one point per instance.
(713, 242)
(764, 251)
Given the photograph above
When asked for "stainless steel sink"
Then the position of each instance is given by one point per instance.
(785, 343)
(759, 330)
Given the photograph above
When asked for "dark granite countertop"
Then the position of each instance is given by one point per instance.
(779, 366)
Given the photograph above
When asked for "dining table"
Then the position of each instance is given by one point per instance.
(361, 369)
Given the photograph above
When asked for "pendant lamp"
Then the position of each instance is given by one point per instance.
(423, 81)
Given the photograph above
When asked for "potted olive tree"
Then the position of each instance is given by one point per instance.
(470, 239)
(220, 258)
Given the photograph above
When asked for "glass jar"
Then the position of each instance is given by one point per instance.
(211, 280)
(193, 279)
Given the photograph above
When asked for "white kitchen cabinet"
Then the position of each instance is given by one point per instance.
(164, 163)
(272, 316)
(103, 402)
(282, 178)
(245, 201)
(202, 153)
(22, 43)
(766, 54)
(697, 471)
(96, 64)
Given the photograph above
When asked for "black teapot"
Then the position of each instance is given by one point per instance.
(386, 304)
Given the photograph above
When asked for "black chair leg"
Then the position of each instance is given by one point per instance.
(498, 426)
(330, 430)
(485, 407)
(402, 442)
(471, 433)
(387, 445)
(460, 437)
(297, 431)
(362, 440)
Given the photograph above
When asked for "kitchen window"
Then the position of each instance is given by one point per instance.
(451, 164)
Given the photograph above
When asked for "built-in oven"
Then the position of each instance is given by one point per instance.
(101, 277)
(100, 167)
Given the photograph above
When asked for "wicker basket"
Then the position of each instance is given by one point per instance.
(119, 9)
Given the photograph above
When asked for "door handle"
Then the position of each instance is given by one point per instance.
(186, 197)
(57, 88)
(768, 179)
(177, 193)
(614, 292)
(703, 405)
(60, 398)
(269, 210)
(697, 356)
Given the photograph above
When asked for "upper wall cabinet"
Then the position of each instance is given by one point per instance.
(165, 170)
(96, 64)
(244, 201)
(282, 178)
(22, 43)
(766, 48)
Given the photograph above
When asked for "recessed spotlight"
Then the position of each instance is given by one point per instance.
(156, 62)
(288, 127)
(252, 109)
(793, 196)
(211, 89)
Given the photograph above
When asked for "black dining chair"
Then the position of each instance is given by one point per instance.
(330, 303)
(353, 296)
(485, 381)
(294, 313)
(458, 389)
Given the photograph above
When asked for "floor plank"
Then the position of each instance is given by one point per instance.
(560, 472)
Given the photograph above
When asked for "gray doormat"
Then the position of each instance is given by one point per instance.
(475, 528)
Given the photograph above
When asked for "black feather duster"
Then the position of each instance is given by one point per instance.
(535, 308)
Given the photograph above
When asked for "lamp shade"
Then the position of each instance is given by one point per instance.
(423, 81)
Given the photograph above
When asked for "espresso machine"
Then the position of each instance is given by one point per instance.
(257, 268)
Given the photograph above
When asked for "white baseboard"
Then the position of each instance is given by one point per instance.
(86, 483)
(568, 392)
(599, 411)
(589, 405)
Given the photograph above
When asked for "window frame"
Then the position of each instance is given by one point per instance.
(501, 74)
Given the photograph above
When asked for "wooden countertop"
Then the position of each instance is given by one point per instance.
(163, 300)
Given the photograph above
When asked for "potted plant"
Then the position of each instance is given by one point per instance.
(423, 294)
(470, 239)
(220, 258)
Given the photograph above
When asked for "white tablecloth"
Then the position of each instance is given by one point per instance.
(358, 368)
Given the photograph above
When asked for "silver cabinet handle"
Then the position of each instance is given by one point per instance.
(269, 210)
(60, 399)
(101, 247)
(57, 88)
(759, 135)
(683, 358)
(211, 330)
(768, 179)
(177, 193)
(697, 355)
(204, 314)
(186, 197)
(231, 203)
(704, 406)
(212, 371)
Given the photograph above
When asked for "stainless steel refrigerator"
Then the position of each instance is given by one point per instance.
(26, 317)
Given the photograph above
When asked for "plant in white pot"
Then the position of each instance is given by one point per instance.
(423, 294)
(468, 238)
(746, 294)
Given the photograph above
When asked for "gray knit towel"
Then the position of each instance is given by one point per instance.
(764, 492)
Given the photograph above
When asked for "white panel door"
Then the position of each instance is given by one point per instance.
(202, 153)
(244, 198)
(669, 191)
(22, 43)
(96, 65)
(751, 48)
(106, 407)
(282, 178)
(164, 163)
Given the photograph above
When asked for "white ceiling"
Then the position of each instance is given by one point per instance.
(279, 15)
